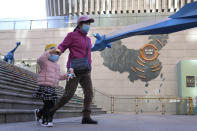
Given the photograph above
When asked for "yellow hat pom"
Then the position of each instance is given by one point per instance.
(50, 46)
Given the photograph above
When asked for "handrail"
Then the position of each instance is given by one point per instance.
(96, 90)
(113, 97)
(152, 98)
(68, 21)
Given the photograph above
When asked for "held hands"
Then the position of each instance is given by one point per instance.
(100, 43)
(70, 74)
(54, 51)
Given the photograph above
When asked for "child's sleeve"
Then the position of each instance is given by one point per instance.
(44, 57)
(66, 43)
(63, 77)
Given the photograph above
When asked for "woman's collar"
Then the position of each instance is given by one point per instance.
(82, 32)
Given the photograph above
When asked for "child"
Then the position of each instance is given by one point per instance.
(48, 78)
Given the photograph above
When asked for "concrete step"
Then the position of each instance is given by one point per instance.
(26, 105)
(4, 64)
(15, 76)
(14, 83)
(22, 97)
(12, 89)
(20, 83)
(17, 103)
(30, 77)
(18, 115)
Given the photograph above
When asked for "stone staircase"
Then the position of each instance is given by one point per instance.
(16, 102)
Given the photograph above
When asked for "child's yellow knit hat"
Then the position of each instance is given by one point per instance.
(50, 47)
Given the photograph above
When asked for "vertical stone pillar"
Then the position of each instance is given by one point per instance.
(58, 8)
(81, 6)
(75, 7)
(151, 5)
(98, 6)
(114, 6)
(109, 6)
(54, 7)
(48, 8)
(127, 6)
(188, 1)
(65, 7)
(90, 6)
(178, 4)
(157, 6)
(133, 6)
(140, 6)
(86, 6)
(144, 6)
(102, 6)
(120, 4)
(93, 6)
(170, 7)
(182, 3)
(164, 5)
(147, 5)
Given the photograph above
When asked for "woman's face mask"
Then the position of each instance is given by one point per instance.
(53, 57)
(85, 28)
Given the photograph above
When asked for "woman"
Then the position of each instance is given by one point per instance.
(79, 45)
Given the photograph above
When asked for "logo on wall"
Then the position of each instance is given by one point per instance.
(149, 52)
(190, 81)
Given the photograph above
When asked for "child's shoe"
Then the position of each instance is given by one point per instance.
(44, 124)
(37, 115)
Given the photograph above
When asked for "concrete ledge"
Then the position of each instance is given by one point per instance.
(13, 115)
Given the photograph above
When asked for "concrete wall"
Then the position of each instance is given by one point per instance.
(180, 46)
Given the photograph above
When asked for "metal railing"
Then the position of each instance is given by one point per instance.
(143, 104)
(70, 21)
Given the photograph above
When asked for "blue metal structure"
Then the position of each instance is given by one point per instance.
(185, 18)
(9, 57)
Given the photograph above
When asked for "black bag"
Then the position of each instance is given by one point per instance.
(81, 64)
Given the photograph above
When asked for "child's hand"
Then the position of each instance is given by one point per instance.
(70, 74)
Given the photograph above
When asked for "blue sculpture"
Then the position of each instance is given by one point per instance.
(185, 18)
(9, 57)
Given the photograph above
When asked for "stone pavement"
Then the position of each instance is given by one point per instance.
(113, 122)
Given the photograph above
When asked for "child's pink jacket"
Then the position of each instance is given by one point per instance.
(49, 74)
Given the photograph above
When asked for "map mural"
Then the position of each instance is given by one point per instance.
(141, 64)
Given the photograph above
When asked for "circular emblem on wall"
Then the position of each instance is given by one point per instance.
(149, 52)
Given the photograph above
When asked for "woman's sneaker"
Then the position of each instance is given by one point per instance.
(37, 115)
(49, 124)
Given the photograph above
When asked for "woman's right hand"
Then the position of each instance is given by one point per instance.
(52, 51)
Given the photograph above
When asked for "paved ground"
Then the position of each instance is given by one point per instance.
(114, 122)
